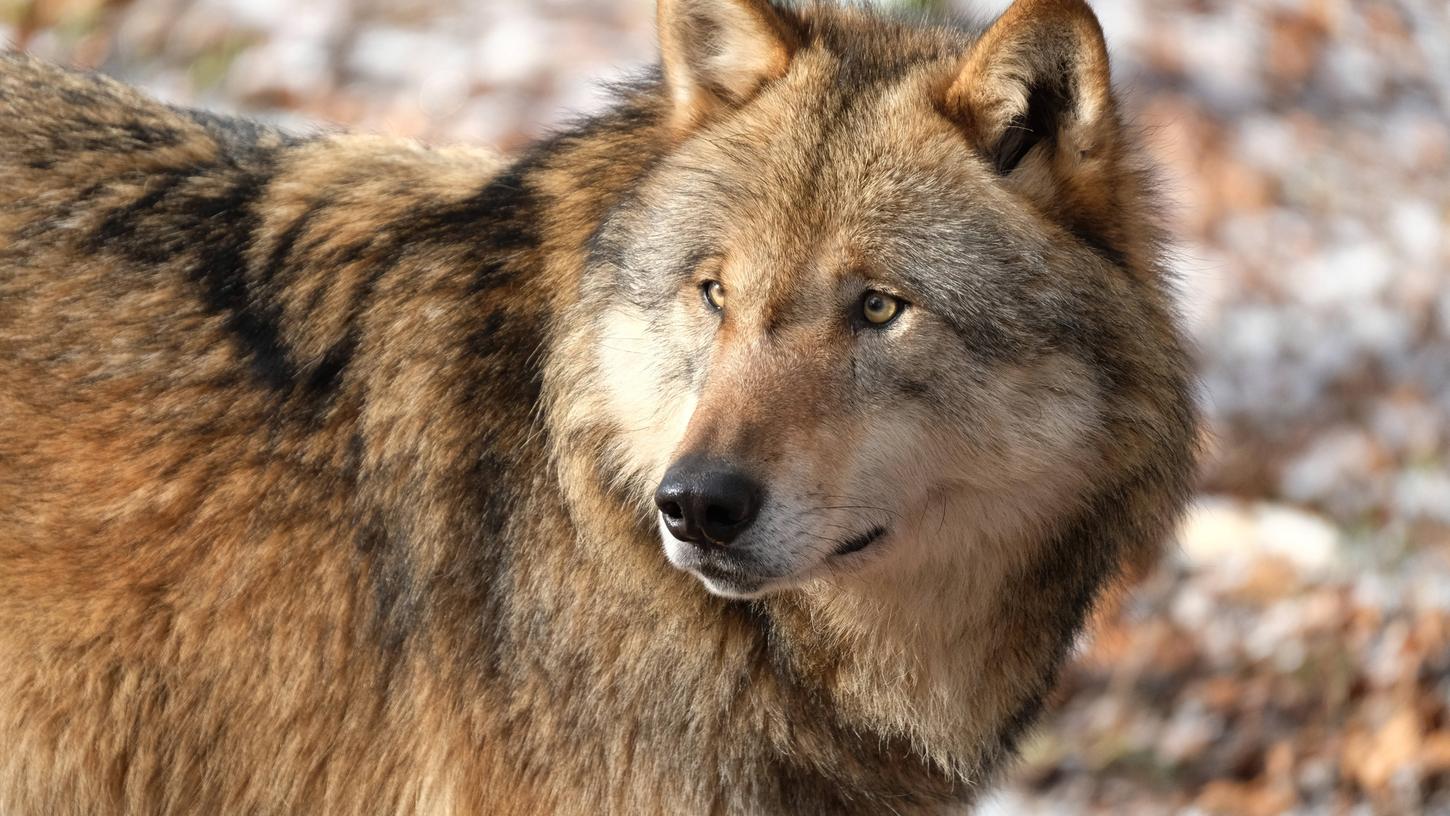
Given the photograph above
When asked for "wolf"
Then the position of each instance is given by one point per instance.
(758, 445)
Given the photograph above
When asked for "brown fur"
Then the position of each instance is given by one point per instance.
(325, 463)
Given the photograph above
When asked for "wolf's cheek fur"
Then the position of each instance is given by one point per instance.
(646, 379)
(1005, 454)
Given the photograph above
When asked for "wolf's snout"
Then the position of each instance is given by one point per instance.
(706, 501)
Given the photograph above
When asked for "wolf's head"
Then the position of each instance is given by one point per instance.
(887, 299)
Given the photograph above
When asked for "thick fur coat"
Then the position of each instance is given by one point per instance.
(327, 462)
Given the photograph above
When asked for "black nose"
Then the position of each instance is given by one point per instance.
(706, 501)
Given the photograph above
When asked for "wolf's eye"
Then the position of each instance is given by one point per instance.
(714, 294)
(879, 308)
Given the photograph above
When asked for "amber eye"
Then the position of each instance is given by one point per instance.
(880, 308)
(714, 294)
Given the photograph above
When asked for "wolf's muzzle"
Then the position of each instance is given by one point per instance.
(707, 502)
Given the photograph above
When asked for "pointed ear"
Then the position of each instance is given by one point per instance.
(719, 52)
(1038, 78)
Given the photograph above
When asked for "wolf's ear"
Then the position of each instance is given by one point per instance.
(718, 52)
(1037, 79)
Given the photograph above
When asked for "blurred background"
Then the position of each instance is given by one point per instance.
(1293, 655)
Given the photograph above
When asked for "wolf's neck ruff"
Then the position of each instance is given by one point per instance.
(370, 514)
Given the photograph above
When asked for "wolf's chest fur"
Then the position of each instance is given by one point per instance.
(327, 463)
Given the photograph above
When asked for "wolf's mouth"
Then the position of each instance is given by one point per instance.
(861, 541)
(729, 583)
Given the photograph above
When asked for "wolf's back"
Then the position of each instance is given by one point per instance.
(62, 130)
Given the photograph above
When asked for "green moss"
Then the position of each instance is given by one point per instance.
(210, 67)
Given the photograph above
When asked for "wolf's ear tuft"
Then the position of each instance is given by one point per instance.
(719, 52)
(1038, 77)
